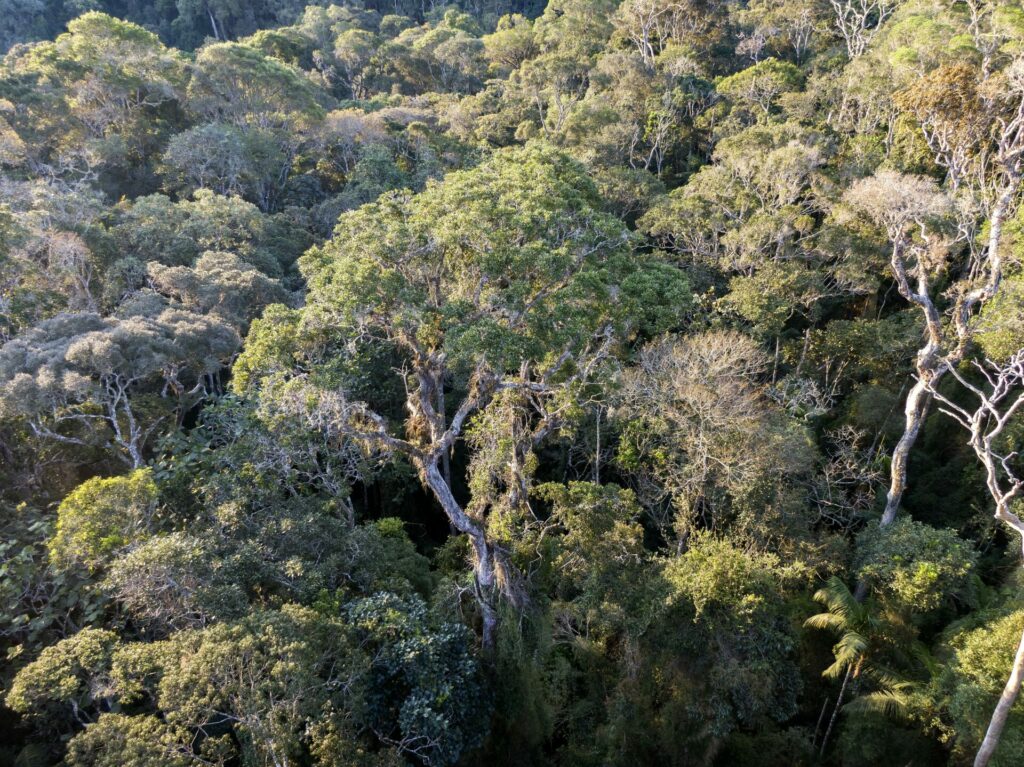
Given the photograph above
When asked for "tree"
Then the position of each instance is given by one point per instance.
(903, 205)
(695, 425)
(999, 401)
(860, 632)
(734, 599)
(220, 284)
(427, 696)
(103, 516)
(918, 201)
(237, 84)
(174, 581)
(112, 79)
(976, 676)
(72, 375)
(225, 160)
(504, 278)
(67, 680)
(760, 86)
(273, 104)
(858, 21)
(154, 228)
(916, 566)
(510, 44)
(117, 740)
(354, 50)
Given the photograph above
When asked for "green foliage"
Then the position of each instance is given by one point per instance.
(101, 517)
(173, 581)
(1000, 329)
(575, 352)
(918, 566)
(973, 680)
(598, 558)
(426, 693)
(132, 741)
(69, 677)
(522, 235)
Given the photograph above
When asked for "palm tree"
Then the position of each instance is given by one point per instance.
(853, 622)
(865, 629)
(857, 626)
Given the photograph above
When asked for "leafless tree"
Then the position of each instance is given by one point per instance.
(858, 20)
(903, 206)
(999, 399)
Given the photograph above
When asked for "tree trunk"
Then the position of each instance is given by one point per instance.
(213, 24)
(446, 468)
(821, 718)
(1003, 708)
(835, 711)
(914, 410)
(483, 566)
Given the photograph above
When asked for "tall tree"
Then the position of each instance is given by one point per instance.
(998, 403)
(505, 278)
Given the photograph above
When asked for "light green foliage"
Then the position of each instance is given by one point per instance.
(174, 581)
(386, 665)
(116, 740)
(597, 559)
(919, 566)
(102, 516)
(973, 680)
(724, 583)
(756, 89)
(238, 84)
(510, 44)
(221, 284)
(1000, 328)
(264, 672)
(740, 638)
(67, 679)
(175, 234)
(109, 77)
(522, 236)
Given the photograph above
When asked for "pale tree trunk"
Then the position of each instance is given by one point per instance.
(931, 367)
(483, 564)
(998, 403)
(446, 468)
(914, 411)
(1003, 708)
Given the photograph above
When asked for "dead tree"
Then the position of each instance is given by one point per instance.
(998, 400)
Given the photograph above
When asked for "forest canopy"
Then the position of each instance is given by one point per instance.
(581, 384)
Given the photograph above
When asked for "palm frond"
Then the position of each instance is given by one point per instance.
(839, 600)
(826, 622)
(891, 703)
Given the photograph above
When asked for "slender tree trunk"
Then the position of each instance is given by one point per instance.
(835, 711)
(915, 408)
(213, 24)
(821, 718)
(1003, 708)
